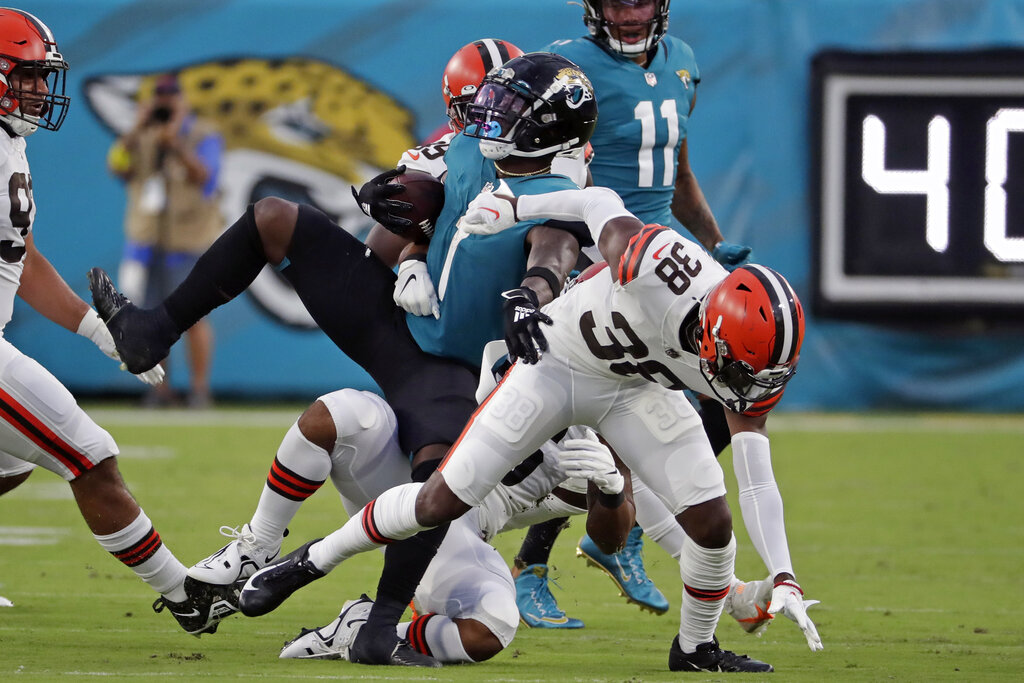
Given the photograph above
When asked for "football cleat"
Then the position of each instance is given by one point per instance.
(626, 569)
(711, 658)
(747, 603)
(382, 646)
(537, 606)
(4, 602)
(204, 608)
(142, 337)
(269, 587)
(333, 640)
(239, 559)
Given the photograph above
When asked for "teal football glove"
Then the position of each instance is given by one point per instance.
(730, 255)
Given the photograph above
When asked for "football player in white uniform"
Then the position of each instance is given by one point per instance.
(40, 422)
(466, 600)
(620, 348)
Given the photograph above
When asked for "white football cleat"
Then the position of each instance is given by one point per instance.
(333, 640)
(4, 602)
(747, 603)
(239, 559)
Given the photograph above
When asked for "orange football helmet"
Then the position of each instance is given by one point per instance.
(466, 69)
(33, 97)
(751, 328)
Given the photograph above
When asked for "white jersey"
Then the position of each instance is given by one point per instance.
(17, 211)
(632, 328)
(430, 159)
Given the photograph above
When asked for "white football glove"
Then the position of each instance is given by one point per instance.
(788, 598)
(413, 289)
(589, 459)
(93, 329)
(490, 212)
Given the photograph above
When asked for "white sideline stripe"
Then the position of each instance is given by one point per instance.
(44, 490)
(147, 452)
(31, 535)
(216, 418)
(271, 676)
(780, 422)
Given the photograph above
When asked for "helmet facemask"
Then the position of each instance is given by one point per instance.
(614, 33)
(33, 75)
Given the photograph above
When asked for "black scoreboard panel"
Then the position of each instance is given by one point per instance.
(918, 167)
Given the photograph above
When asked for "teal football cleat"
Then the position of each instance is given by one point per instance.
(626, 569)
(537, 606)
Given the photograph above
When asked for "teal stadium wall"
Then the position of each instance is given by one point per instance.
(749, 147)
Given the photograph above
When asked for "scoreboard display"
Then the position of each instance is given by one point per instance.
(918, 173)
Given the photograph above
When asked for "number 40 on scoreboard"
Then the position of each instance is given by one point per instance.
(918, 167)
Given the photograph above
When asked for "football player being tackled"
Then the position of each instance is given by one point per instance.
(657, 317)
(41, 423)
(422, 363)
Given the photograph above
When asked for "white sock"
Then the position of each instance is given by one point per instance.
(391, 516)
(435, 635)
(138, 546)
(707, 574)
(299, 470)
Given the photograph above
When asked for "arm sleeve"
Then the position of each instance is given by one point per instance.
(594, 205)
(760, 500)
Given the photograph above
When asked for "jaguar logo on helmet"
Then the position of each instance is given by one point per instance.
(578, 89)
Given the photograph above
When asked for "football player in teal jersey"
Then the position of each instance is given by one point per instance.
(534, 107)
(645, 82)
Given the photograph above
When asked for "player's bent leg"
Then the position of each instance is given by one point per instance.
(626, 569)
(9, 483)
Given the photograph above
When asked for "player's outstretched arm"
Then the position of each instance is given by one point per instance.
(762, 509)
(45, 290)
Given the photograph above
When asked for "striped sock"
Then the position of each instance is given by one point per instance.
(138, 547)
(299, 470)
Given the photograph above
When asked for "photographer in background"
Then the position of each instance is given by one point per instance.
(170, 162)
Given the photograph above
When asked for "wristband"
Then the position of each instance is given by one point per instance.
(416, 256)
(547, 275)
(791, 584)
(611, 500)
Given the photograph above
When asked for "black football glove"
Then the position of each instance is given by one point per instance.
(374, 199)
(523, 335)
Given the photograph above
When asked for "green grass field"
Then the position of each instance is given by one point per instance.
(907, 528)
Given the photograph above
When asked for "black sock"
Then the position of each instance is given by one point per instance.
(405, 562)
(536, 548)
(712, 414)
(223, 272)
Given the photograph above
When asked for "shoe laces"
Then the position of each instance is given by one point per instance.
(633, 553)
(243, 535)
(541, 597)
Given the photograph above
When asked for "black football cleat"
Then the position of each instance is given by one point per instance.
(269, 587)
(711, 658)
(383, 647)
(142, 337)
(203, 609)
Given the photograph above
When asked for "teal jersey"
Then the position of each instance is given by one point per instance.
(641, 120)
(470, 272)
